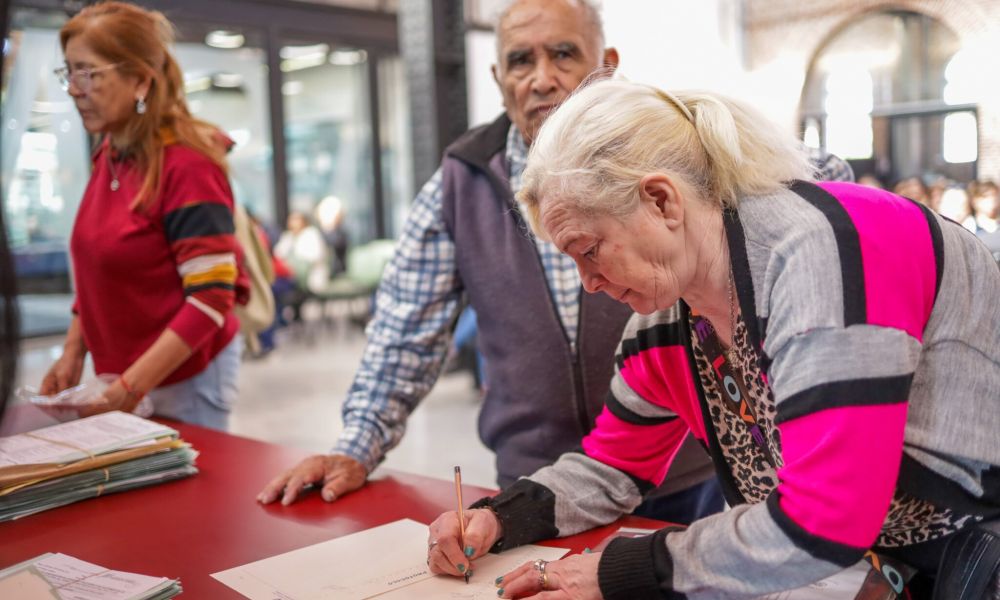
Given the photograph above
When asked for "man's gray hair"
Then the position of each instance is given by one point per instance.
(591, 7)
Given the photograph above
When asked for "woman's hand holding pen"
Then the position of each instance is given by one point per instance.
(445, 554)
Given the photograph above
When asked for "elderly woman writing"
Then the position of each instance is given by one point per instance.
(835, 348)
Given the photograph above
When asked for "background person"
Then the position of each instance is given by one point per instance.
(330, 216)
(154, 255)
(302, 247)
(955, 205)
(986, 210)
(985, 199)
(836, 347)
(914, 189)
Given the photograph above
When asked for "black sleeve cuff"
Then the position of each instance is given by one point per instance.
(637, 568)
(527, 513)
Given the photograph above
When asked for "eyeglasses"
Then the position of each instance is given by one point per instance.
(81, 78)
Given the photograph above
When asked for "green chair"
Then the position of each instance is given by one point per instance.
(359, 281)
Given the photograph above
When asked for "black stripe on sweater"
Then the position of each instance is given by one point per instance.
(527, 513)
(742, 278)
(657, 336)
(821, 548)
(196, 220)
(638, 568)
(921, 482)
(937, 242)
(838, 394)
(194, 289)
(852, 272)
(621, 411)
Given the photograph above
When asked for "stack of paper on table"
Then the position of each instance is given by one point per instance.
(388, 562)
(106, 453)
(52, 576)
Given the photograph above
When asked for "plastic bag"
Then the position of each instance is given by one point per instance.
(66, 405)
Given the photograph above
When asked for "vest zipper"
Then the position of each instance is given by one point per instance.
(579, 393)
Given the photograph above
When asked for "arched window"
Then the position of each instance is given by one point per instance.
(890, 93)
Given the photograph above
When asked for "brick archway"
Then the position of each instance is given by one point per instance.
(791, 32)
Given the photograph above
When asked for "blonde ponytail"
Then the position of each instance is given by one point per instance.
(597, 146)
(748, 155)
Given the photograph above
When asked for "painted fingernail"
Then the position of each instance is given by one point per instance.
(587, 550)
(469, 551)
(500, 592)
(461, 568)
(498, 581)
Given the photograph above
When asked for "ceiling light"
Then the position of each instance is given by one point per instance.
(289, 52)
(292, 88)
(227, 80)
(197, 84)
(221, 38)
(348, 57)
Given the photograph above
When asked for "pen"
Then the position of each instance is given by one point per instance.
(461, 514)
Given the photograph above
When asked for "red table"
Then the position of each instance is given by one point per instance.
(192, 528)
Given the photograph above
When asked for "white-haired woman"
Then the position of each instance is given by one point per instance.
(836, 349)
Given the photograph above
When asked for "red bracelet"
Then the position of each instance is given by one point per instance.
(128, 389)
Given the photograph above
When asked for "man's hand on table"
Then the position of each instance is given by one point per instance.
(338, 474)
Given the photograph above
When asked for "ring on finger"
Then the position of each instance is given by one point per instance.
(543, 580)
(431, 544)
(539, 565)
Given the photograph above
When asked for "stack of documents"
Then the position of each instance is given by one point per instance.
(52, 576)
(106, 453)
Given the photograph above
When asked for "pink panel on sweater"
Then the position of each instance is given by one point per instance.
(840, 470)
(897, 255)
(663, 377)
(643, 451)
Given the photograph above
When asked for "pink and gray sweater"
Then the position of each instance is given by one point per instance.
(866, 416)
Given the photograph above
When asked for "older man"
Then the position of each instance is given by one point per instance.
(549, 348)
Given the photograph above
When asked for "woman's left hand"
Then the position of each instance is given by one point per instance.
(115, 397)
(574, 577)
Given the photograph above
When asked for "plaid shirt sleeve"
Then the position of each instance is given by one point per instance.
(830, 167)
(418, 300)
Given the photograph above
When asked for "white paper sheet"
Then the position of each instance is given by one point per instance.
(57, 576)
(387, 562)
(96, 434)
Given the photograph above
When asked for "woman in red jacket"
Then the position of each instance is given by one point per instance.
(154, 255)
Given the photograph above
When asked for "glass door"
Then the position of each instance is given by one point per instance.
(226, 81)
(44, 167)
(328, 138)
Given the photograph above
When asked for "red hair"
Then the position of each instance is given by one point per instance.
(139, 40)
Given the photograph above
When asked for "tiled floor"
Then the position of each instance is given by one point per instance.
(293, 396)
